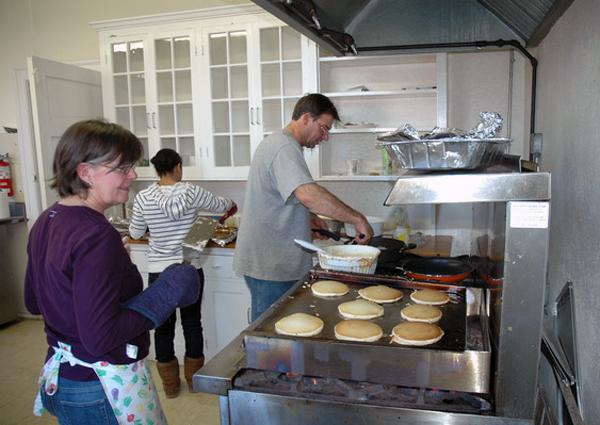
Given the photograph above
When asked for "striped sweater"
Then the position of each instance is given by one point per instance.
(169, 212)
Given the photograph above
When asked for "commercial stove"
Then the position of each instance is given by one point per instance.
(484, 369)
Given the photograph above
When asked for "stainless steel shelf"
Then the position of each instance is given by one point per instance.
(441, 188)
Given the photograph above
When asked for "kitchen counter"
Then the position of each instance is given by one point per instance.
(434, 246)
(210, 244)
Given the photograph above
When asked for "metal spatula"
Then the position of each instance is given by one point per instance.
(200, 234)
(198, 237)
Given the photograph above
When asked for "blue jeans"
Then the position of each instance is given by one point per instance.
(191, 322)
(265, 292)
(81, 403)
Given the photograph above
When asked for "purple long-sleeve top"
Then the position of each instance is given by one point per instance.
(77, 276)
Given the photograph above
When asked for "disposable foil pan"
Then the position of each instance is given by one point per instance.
(445, 154)
(224, 235)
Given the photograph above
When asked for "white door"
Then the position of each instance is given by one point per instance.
(61, 95)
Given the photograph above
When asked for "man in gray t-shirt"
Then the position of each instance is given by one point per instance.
(281, 204)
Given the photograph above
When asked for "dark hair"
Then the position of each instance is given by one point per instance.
(95, 142)
(165, 161)
(315, 104)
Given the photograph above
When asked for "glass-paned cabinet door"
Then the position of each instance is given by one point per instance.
(173, 91)
(128, 74)
(230, 112)
(281, 75)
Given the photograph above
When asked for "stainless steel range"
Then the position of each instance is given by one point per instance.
(484, 370)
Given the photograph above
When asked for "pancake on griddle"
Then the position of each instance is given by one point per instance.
(416, 333)
(358, 330)
(329, 288)
(381, 294)
(299, 324)
(360, 309)
(429, 297)
(421, 313)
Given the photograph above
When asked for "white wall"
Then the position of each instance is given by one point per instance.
(480, 81)
(568, 116)
(59, 30)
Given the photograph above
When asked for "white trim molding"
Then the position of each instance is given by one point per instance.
(176, 17)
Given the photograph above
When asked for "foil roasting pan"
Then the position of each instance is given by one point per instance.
(445, 154)
(447, 148)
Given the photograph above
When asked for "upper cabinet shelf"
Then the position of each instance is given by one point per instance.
(386, 91)
(327, 59)
(424, 91)
(377, 94)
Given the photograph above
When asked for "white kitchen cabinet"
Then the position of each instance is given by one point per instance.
(226, 300)
(258, 69)
(139, 256)
(376, 94)
(226, 304)
(148, 81)
(209, 84)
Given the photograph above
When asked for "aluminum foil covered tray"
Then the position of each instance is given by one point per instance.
(445, 154)
(224, 235)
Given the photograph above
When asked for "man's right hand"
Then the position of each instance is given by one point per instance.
(364, 232)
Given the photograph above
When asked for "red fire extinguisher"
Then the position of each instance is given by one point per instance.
(5, 178)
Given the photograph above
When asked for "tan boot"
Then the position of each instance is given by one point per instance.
(191, 366)
(169, 374)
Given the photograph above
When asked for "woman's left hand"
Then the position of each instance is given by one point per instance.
(125, 240)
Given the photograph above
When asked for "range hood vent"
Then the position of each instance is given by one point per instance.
(368, 27)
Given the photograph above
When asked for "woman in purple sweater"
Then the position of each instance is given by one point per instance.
(81, 280)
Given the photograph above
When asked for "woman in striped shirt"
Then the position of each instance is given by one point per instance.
(168, 209)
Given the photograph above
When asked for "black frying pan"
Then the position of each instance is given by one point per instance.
(391, 250)
(441, 269)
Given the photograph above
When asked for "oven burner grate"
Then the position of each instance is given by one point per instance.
(343, 390)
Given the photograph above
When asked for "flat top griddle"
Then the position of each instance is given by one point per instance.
(460, 361)
(453, 321)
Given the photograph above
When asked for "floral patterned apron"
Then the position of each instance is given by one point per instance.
(129, 388)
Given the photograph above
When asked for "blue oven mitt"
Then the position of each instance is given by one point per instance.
(177, 286)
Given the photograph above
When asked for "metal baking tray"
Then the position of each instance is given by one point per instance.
(445, 154)
(460, 361)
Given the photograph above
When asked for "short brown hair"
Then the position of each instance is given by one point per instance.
(95, 142)
(315, 104)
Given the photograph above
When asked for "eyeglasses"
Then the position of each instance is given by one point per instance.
(324, 129)
(125, 169)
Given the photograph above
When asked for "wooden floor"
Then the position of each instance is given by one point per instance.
(22, 351)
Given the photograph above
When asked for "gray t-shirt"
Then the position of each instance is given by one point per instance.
(272, 217)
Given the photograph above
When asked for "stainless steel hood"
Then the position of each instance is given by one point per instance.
(369, 27)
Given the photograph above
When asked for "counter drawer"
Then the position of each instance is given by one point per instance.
(218, 266)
